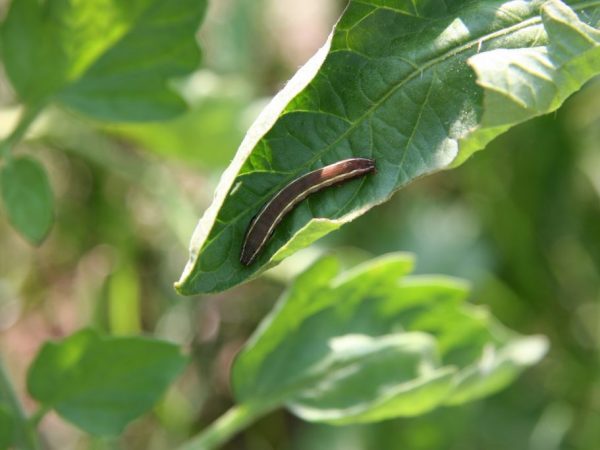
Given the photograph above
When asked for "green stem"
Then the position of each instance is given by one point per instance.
(25, 434)
(225, 427)
(37, 417)
(28, 116)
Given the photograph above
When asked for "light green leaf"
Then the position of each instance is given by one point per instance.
(102, 383)
(526, 82)
(106, 58)
(497, 368)
(27, 198)
(378, 378)
(372, 344)
(393, 83)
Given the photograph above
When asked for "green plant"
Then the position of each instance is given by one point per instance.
(417, 86)
(371, 344)
(106, 60)
(419, 95)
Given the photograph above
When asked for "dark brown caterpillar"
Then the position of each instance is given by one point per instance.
(262, 226)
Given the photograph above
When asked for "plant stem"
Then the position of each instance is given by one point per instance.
(28, 116)
(37, 417)
(223, 429)
(25, 433)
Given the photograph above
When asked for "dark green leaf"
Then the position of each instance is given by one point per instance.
(394, 84)
(27, 197)
(373, 344)
(102, 383)
(106, 58)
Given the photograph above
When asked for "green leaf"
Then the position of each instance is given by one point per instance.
(393, 83)
(105, 58)
(102, 383)
(373, 343)
(27, 197)
(496, 369)
(523, 83)
(376, 379)
(7, 427)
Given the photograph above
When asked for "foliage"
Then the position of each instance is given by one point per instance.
(394, 83)
(103, 383)
(104, 58)
(385, 356)
(372, 344)
(115, 65)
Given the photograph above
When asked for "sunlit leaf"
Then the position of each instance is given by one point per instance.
(373, 343)
(106, 58)
(102, 383)
(395, 83)
(526, 82)
(27, 197)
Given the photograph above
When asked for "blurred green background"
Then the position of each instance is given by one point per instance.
(520, 221)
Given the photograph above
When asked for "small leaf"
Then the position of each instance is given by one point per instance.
(102, 383)
(27, 197)
(372, 344)
(394, 83)
(105, 58)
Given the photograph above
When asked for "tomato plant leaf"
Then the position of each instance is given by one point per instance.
(521, 83)
(413, 85)
(373, 343)
(108, 59)
(102, 383)
(27, 197)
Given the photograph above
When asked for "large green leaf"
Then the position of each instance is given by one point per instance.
(106, 58)
(102, 383)
(27, 197)
(393, 83)
(373, 344)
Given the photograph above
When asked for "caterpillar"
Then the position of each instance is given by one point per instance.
(263, 225)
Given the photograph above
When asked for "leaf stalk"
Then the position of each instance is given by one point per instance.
(28, 116)
(225, 427)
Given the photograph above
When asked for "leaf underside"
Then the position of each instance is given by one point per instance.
(373, 344)
(417, 86)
